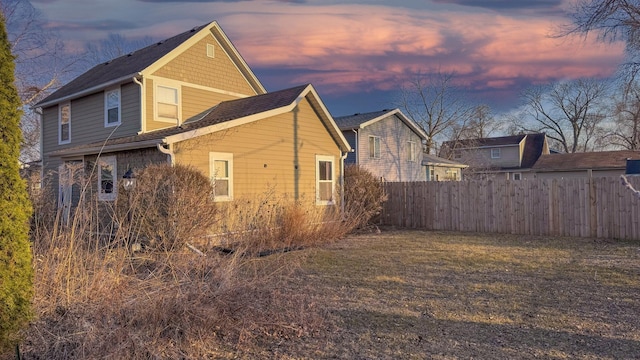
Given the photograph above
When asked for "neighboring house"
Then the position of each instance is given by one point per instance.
(583, 165)
(192, 100)
(510, 157)
(440, 169)
(386, 143)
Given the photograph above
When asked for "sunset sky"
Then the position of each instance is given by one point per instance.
(358, 53)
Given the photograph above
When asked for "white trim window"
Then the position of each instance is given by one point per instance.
(374, 147)
(112, 108)
(221, 174)
(325, 180)
(517, 176)
(107, 178)
(64, 123)
(411, 148)
(495, 153)
(167, 103)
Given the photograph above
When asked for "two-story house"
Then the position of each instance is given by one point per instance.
(390, 145)
(386, 143)
(190, 99)
(510, 157)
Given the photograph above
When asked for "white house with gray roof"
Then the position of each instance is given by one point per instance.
(389, 145)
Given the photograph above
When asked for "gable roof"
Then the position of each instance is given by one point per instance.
(534, 147)
(225, 115)
(602, 160)
(360, 121)
(124, 68)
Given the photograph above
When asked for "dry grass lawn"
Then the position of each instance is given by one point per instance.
(439, 295)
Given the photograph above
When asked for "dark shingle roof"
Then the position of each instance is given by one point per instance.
(350, 122)
(225, 111)
(122, 66)
(485, 142)
(585, 161)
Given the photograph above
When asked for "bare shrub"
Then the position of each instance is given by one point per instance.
(95, 302)
(269, 223)
(169, 206)
(363, 194)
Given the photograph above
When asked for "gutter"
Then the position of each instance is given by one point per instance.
(169, 151)
(342, 204)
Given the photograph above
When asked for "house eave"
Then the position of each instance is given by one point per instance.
(91, 90)
(64, 153)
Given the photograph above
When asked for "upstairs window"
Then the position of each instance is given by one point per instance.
(107, 176)
(411, 151)
(221, 173)
(374, 147)
(325, 182)
(495, 153)
(167, 106)
(64, 123)
(112, 107)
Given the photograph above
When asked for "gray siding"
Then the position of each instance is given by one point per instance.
(393, 164)
(87, 126)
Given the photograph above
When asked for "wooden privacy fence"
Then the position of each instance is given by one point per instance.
(590, 207)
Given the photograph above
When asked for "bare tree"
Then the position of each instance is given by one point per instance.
(625, 131)
(115, 45)
(570, 113)
(479, 124)
(41, 65)
(611, 20)
(435, 103)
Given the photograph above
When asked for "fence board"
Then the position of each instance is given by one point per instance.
(596, 207)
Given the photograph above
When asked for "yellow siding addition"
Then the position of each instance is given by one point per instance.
(266, 153)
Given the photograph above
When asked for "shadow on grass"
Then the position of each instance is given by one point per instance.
(384, 335)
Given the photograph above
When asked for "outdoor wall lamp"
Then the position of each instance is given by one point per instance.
(129, 180)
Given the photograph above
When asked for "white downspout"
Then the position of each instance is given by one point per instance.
(342, 157)
(143, 123)
(357, 146)
(168, 151)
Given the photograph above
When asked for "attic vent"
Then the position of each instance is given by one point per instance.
(194, 29)
(130, 54)
(160, 42)
(210, 51)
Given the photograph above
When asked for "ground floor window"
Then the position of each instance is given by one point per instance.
(325, 180)
(107, 178)
(221, 173)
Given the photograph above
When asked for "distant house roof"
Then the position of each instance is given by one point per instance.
(224, 115)
(124, 68)
(432, 160)
(359, 121)
(602, 160)
(484, 142)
